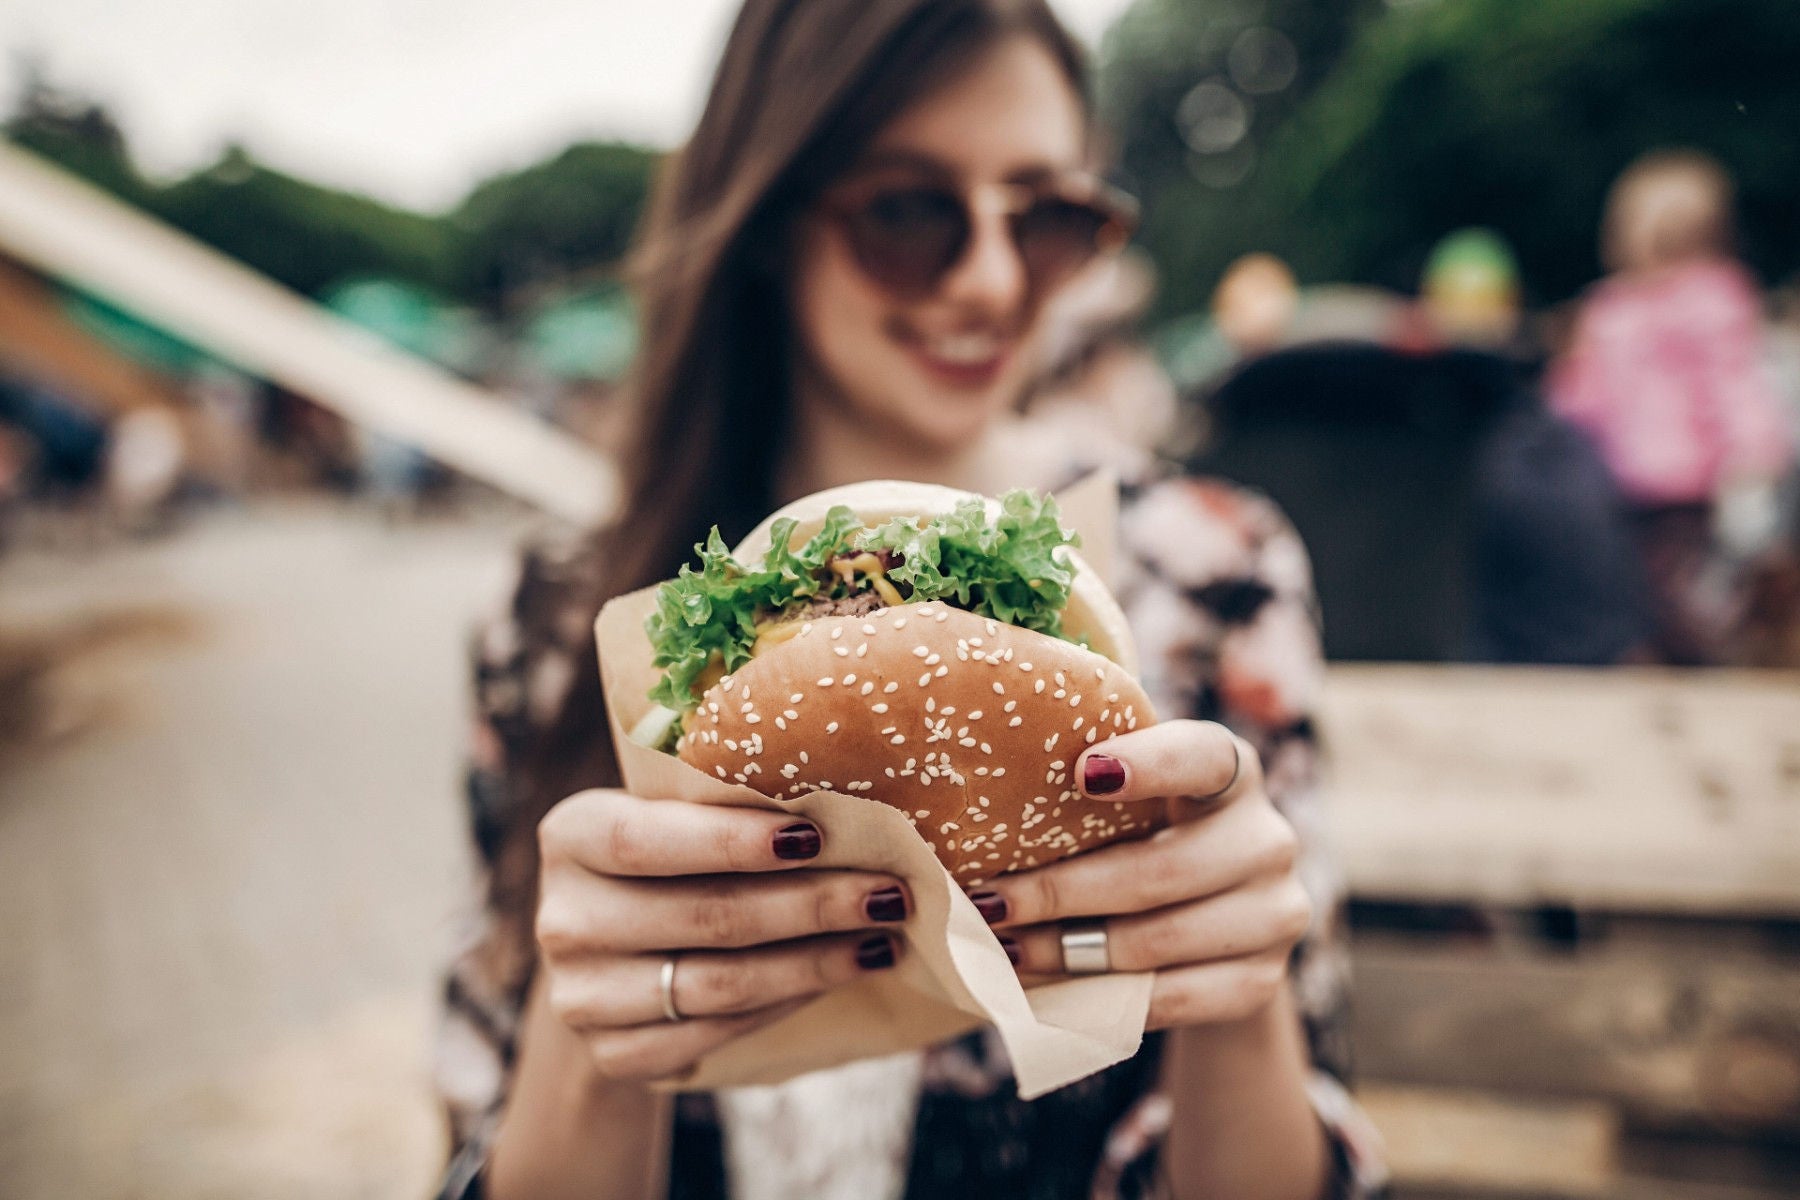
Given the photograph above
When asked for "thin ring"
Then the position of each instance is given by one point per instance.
(668, 991)
(1084, 948)
(1237, 768)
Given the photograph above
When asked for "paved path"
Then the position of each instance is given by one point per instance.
(229, 873)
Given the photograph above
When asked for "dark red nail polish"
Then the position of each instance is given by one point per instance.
(991, 906)
(1102, 774)
(1013, 952)
(798, 841)
(873, 954)
(888, 904)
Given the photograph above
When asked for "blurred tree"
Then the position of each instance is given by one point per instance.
(75, 132)
(1514, 114)
(564, 216)
(303, 235)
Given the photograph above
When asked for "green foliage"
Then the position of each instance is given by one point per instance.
(1512, 114)
(1009, 568)
(569, 214)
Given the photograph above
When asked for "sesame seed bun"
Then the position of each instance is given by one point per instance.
(969, 726)
(1091, 613)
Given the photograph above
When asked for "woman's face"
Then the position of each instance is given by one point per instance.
(935, 369)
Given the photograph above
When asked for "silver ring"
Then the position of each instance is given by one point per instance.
(1237, 768)
(668, 991)
(1084, 948)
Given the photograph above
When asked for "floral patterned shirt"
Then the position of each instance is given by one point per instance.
(1218, 589)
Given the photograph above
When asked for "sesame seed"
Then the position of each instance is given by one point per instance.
(899, 622)
(1010, 705)
(981, 770)
(1090, 735)
(1015, 722)
(974, 716)
(930, 704)
(925, 679)
(898, 739)
(986, 749)
(890, 729)
(753, 718)
(796, 698)
(805, 628)
(862, 651)
(792, 714)
(1050, 742)
(933, 660)
(941, 671)
(850, 679)
(1059, 693)
(826, 681)
(999, 771)
(942, 617)
(831, 727)
(1112, 697)
(1024, 666)
(975, 641)
(867, 687)
(921, 651)
(727, 683)
(1076, 700)
(745, 707)
(968, 741)
(837, 633)
(804, 757)
(923, 812)
(880, 708)
(721, 771)
(890, 688)
(998, 690)
(1079, 721)
(841, 651)
(868, 629)
(1099, 673)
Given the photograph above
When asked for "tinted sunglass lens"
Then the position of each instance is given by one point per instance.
(908, 238)
(1056, 237)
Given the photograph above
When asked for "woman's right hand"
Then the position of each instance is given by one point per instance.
(627, 883)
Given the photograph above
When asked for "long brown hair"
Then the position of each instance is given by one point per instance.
(802, 87)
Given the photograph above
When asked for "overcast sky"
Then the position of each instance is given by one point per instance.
(409, 100)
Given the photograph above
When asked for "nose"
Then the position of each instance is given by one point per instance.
(989, 276)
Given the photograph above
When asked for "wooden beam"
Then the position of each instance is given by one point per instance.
(74, 232)
(1623, 789)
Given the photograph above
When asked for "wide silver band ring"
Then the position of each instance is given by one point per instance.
(668, 991)
(1084, 948)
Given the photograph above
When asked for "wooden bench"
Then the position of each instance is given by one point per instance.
(1577, 907)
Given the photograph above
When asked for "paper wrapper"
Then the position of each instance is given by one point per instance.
(952, 975)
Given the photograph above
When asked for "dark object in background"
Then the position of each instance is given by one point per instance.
(69, 441)
(1448, 515)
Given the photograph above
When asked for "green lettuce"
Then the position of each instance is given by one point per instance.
(1008, 568)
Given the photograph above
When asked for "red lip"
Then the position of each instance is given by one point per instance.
(969, 375)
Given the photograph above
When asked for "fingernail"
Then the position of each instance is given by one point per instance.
(888, 904)
(1102, 774)
(991, 906)
(873, 954)
(1012, 950)
(798, 841)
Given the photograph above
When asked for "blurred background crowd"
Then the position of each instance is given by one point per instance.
(1500, 299)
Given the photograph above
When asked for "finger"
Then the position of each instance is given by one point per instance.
(1269, 917)
(615, 833)
(1186, 862)
(626, 992)
(1176, 758)
(668, 1049)
(1214, 992)
(713, 911)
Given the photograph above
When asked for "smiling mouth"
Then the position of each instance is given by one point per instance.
(970, 359)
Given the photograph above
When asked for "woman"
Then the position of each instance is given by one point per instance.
(842, 278)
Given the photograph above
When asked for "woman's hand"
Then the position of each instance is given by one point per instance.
(627, 883)
(1211, 904)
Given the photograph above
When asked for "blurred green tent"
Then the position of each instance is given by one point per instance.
(133, 337)
(408, 317)
(584, 336)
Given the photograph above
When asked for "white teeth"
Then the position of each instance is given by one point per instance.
(964, 349)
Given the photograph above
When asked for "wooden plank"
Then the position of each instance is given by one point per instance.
(1624, 789)
(1474, 1141)
(1690, 1028)
(72, 231)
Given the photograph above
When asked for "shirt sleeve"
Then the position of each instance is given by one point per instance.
(1219, 591)
(522, 662)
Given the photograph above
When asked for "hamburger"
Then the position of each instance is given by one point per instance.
(933, 650)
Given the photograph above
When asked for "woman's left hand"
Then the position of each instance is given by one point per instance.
(1212, 904)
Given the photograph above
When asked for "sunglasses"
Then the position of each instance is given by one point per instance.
(907, 237)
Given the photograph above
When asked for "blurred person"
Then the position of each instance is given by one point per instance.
(1255, 303)
(843, 276)
(1469, 293)
(1665, 370)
